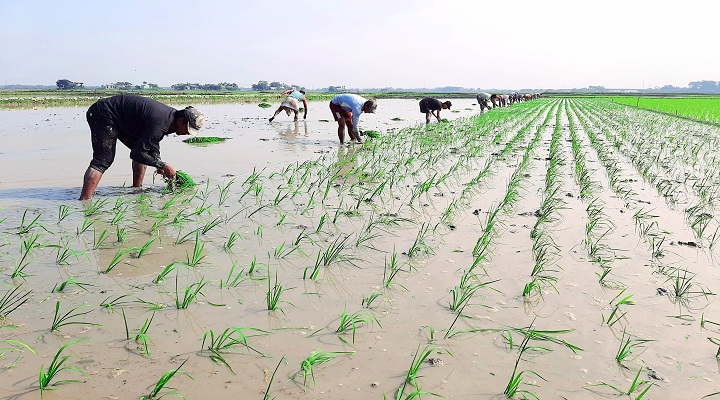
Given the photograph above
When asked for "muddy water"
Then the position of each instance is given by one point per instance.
(311, 196)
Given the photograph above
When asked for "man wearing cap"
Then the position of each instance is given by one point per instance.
(346, 109)
(431, 106)
(140, 123)
(291, 103)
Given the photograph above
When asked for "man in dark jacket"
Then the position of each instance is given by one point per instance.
(140, 124)
(431, 106)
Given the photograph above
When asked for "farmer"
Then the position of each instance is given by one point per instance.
(291, 103)
(346, 109)
(431, 106)
(140, 124)
(484, 101)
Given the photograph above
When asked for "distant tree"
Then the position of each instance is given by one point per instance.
(261, 85)
(65, 84)
(704, 86)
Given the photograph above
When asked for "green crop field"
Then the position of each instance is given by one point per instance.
(705, 108)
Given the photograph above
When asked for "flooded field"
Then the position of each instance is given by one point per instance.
(558, 248)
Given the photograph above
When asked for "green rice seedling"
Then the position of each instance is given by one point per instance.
(367, 302)
(419, 246)
(12, 300)
(14, 346)
(351, 322)
(116, 302)
(190, 294)
(547, 336)
(703, 321)
(119, 216)
(94, 207)
(144, 248)
(273, 294)
(118, 257)
(185, 237)
(334, 252)
(272, 379)
(461, 295)
(99, 239)
(141, 337)
(228, 339)
(179, 183)
(61, 288)
(628, 347)
(225, 191)
(635, 385)
(513, 386)
(25, 227)
(682, 285)
(163, 275)
(194, 259)
(63, 253)
(163, 381)
(392, 268)
(616, 314)
(231, 281)
(204, 139)
(120, 233)
(413, 373)
(46, 377)
(63, 212)
(210, 225)
(26, 249)
(716, 342)
(65, 319)
(231, 240)
(316, 358)
(321, 222)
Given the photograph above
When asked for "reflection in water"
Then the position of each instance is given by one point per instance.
(292, 130)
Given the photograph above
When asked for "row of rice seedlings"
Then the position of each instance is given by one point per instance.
(682, 286)
(646, 159)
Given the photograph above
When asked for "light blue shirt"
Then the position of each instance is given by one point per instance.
(353, 103)
(297, 95)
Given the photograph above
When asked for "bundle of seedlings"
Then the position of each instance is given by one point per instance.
(204, 139)
(372, 134)
(178, 183)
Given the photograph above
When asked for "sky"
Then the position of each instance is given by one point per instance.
(517, 44)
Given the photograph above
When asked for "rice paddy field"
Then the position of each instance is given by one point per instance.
(555, 249)
(704, 108)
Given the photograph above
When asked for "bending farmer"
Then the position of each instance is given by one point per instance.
(483, 100)
(431, 106)
(346, 109)
(291, 103)
(140, 124)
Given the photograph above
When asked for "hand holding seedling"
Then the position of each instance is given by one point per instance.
(167, 171)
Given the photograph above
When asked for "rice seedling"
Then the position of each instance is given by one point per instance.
(63, 212)
(419, 246)
(351, 322)
(117, 258)
(46, 377)
(179, 183)
(367, 302)
(155, 393)
(392, 268)
(513, 387)
(617, 314)
(231, 240)
(26, 249)
(629, 347)
(61, 288)
(682, 285)
(229, 339)
(141, 337)
(116, 302)
(144, 248)
(190, 294)
(635, 386)
(164, 273)
(273, 294)
(99, 239)
(316, 358)
(120, 234)
(272, 379)
(94, 207)
(210, 225)
(65, 319)
(14, 346)
(194, 259)
(413, 373)
(12, 300)
(204, 139)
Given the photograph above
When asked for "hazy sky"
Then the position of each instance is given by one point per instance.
(502, 44)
